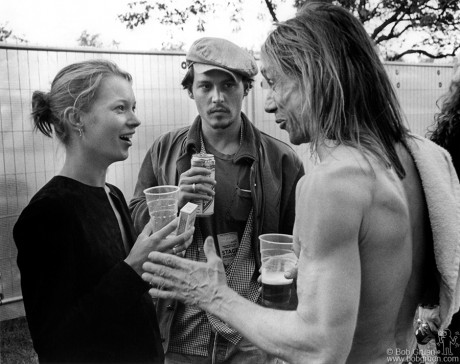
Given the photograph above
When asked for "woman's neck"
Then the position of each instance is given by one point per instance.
(84, 171)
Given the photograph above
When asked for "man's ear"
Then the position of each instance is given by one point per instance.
(190, 94)
(246, 92)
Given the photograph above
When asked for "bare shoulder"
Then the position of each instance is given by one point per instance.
(346, 176)
(333, 199)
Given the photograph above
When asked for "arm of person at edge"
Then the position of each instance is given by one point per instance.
(430, 315)
(57, 318)
(428, 310)
(138, 205)
(199, 176)
(321, 329)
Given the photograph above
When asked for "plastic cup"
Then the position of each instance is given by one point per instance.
(162, 203)
(278, 257)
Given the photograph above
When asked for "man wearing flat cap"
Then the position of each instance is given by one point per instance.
(253, 191)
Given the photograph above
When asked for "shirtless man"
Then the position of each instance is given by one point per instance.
(361, 228)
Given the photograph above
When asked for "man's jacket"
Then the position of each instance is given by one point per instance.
(275, 170)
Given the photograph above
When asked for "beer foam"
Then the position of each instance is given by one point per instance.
(274, 278)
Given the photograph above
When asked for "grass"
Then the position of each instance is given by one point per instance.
(15, 342)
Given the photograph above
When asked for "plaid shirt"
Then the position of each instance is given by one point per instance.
(192, 327)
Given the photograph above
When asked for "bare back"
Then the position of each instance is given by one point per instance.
(393, 249)
(367, 249)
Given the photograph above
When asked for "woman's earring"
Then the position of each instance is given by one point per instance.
(80, 131)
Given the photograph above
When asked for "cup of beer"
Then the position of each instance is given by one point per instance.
(278, 257)
(162, 202)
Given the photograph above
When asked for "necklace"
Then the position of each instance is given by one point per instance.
(203, 148)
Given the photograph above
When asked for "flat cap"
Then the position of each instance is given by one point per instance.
(218, 53)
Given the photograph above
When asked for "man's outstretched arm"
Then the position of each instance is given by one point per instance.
(321, 329)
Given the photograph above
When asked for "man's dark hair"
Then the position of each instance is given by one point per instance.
(187, 81)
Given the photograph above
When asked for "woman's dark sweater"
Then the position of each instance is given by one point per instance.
(83, 302)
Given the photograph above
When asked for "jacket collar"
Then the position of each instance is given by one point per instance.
(192, 142)
(251, 140)
(191, 145)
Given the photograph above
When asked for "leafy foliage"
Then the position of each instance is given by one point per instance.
(6, 33)
(167, 13)
(434, 25)
(89, 40)
(140, 12)
(398, 27)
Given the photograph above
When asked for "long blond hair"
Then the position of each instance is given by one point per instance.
(348, 96)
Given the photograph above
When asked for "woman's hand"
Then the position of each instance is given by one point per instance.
(196, 184)
(148, 241)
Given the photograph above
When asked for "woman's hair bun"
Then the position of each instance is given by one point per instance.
(41, 112)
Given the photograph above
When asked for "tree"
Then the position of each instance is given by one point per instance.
(398, 27)
(92, 40)
(6, 33)
(436, 24)
(177, 46)
(167, 14)
(89, 40)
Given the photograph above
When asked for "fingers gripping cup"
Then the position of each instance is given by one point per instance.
(162, 203)
(278, 257)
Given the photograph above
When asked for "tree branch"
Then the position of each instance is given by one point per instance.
(392, 34)
(390, 20)
(271, 9)
(428, 54)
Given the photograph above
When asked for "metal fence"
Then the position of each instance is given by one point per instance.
(28, 160)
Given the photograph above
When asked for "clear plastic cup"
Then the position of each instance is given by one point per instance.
(162, 203)
(278, 257)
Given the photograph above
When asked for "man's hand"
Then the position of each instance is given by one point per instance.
(191, 282)
(289, 274)
(196, 184)
(430, 316)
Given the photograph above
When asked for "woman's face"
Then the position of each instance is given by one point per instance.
(285, 100)
(110, 123)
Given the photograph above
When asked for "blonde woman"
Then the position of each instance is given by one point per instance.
(78, 255)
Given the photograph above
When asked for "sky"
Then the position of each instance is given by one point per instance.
(59, 23)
